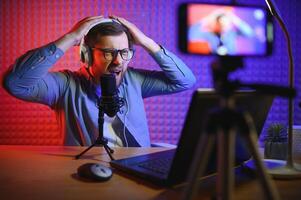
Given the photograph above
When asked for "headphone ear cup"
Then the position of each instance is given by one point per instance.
(85, 54)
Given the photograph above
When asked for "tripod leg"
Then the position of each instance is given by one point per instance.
(225, 175)
(251, 138)
(198, 166)
(109, 151)
(268, 186)
(79, 155)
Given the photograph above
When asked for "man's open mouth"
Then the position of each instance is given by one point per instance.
(117, 73)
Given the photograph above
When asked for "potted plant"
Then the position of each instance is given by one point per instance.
(276, 142)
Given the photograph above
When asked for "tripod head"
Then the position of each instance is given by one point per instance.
(222, 66)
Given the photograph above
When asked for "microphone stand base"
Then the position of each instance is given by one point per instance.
(278, 169)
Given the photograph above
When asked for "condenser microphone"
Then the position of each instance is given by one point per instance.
(110, 103)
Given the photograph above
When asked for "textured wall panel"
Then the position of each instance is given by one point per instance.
(27, 24)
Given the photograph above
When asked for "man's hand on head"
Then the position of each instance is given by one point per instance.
(139, 37)
(77, 32)
(81, 28)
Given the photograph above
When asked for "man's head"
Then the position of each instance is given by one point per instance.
(223, 23)
(111, 48)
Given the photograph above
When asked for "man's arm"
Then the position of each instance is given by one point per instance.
(176, 76)
(28, 78)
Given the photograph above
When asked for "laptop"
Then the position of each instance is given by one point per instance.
(171, 166)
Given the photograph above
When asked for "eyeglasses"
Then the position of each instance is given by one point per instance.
(111, 54)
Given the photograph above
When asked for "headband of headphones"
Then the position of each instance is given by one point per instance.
(104, 20)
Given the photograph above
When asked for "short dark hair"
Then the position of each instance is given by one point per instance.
(107, 29)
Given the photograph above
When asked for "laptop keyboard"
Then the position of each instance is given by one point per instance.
(159, 165)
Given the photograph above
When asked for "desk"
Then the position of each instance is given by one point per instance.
(49, 172)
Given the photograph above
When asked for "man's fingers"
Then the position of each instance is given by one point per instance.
(91, 22)
(120, 19)
(86, 19)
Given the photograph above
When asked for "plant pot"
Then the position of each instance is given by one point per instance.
(275, 150)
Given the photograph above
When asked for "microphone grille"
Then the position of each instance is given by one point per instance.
(108, 85)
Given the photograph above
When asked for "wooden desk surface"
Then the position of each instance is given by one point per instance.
(49, 172)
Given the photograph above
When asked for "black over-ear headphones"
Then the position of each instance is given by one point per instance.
(85, 51)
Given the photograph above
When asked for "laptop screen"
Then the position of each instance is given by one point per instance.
(203, 102)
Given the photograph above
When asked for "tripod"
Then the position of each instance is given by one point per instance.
(111, 106)
(100, 140)
(222, 125)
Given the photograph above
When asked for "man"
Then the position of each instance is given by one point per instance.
(74, 95)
